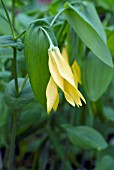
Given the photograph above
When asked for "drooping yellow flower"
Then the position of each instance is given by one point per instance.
(62, 77)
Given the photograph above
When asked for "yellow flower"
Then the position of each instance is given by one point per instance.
(62, 77)
(75, 67)
(77, 73)
(52, 95)
(65, 53)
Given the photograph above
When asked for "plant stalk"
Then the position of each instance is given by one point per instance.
(20, 35)
(56, 16)
(12, 142)
(14, 114)
(23, 84)
(14, 71)
(13, 13)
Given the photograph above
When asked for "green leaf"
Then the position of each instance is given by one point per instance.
(36, 55)
(20, 2)
(28, 128)
(84, 20)
(74, 53)
(107, 4)
(25, 97)
(110, 38)
(71, 40)
(106, 163)
(85, 137)
(29, 115)
(96, 77)
(5, 53)
(5, 74)
(108, 151)
(7, 41)
(4, 26)
(32, 147)
(22, 20)
(108, 113)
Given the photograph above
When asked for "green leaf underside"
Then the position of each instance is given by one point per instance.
(92, 36)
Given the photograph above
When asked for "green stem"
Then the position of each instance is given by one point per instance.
(13, 12)
(55, 18)
(49, 39)
(35, 161)
(14, 65)
(23, 84)
(14, 115)
(12, 143)
(8, 18)
(20, 35)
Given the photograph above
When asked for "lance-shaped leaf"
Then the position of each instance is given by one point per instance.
(84, 20)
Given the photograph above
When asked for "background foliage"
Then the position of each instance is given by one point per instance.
(70, 138)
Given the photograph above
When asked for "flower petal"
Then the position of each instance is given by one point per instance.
(54, 71)
(63, 67)
(77, 73)
(74, 93)
(51, 94)
(56, 103)
(65, 54)
(69, 99)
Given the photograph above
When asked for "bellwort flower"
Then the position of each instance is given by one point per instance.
(62, 77)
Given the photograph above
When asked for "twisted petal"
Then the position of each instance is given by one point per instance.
(54, 71)
(57, 78)
(63, 67)
(74, 92)
(52, 95)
